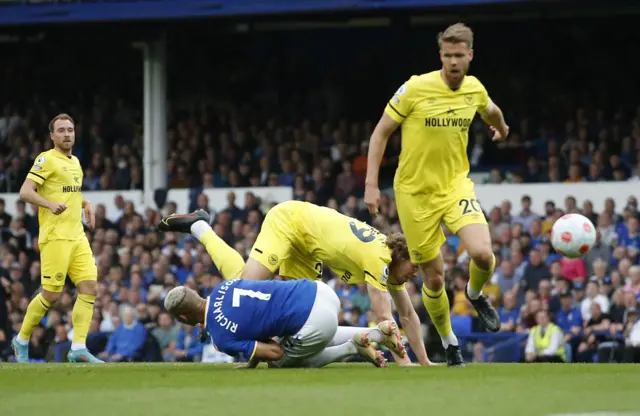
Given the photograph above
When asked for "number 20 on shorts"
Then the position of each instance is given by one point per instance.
(469, 206)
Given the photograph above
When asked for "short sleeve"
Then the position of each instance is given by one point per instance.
(235, 348)
(483, 101)
(41, 169)
(380, 279)
(401, 104)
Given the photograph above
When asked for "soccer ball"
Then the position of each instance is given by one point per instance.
(573, 235)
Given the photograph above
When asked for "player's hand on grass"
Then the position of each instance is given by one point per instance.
(408, 364)
(499, 134)
(90, 215)
(57, 208)
(372, 198)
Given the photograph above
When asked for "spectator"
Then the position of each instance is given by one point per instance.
(593, 296)
(632, 337)
(569, 319)
(188, 345)
(595, 331)
(167, 335)
(509, 313)
(360, 300)
(127, 340)
(545, 343)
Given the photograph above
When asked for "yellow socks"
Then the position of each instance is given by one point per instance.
(37, 309)
(478, 277)
(81, 316)
(437, 304)
(227, 260)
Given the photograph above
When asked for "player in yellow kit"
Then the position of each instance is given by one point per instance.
(435, 111)
(53, 184)
(299, 237)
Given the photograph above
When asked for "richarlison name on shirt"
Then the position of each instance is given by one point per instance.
(219, 317)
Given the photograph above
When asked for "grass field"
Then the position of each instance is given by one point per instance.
(199, 389)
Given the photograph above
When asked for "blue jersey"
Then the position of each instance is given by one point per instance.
(242, 312)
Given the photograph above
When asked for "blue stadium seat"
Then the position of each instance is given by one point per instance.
(461, 325)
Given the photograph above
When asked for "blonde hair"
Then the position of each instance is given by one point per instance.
(457, 33)
(62, 116)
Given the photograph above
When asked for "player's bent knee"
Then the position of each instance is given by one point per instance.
(433, 273)
(88, 287)
(254, 270)
(483, 258)
(51, 293)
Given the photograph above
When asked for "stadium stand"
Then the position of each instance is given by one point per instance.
(267, 110)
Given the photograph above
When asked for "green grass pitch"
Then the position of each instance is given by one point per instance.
(341, 389)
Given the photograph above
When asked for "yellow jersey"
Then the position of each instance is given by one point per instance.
(435, 131)
(353, 250)
(59, 179)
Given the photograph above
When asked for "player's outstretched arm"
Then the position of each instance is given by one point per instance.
(29, 194)
(377, 145)
(381, 307)
(494, 117)
(268, 352)
(411, 324)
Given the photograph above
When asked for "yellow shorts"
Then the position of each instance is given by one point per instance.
(281, 243)
(59, 258)
(421, 216)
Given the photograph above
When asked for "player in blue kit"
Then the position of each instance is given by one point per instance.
(242, 317)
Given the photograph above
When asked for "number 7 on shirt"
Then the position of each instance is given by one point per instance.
(237, 293)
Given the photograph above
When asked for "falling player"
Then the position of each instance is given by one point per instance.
(297, 238)
(243, 316)
(431, 185)
(53, 184)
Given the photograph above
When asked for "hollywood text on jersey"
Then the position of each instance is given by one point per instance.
(71, 188)
(219, 317)
(448, 122)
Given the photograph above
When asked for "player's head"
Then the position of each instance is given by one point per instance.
(456, 50)
(185, 305)
(62, 131)
(401, 268)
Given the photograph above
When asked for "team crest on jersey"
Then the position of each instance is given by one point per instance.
(417, 255)
(399, 93)
(468, 99)
(37, 165)
(59, 277)
(273, 259)
(385, 274)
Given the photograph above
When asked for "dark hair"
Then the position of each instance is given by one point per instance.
(398, 245)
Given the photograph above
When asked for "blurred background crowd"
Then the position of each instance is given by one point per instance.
(267, 109)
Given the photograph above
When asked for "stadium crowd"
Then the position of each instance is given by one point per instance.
(593, 300)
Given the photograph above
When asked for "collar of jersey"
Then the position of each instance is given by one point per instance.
(206, 312)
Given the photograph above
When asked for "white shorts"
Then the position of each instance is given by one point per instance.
(316, 333)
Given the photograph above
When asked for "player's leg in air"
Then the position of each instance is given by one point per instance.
(227, 260)
(316, 344)
(272, 247)
(466, 219)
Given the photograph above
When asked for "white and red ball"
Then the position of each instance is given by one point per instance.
(573, 235)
